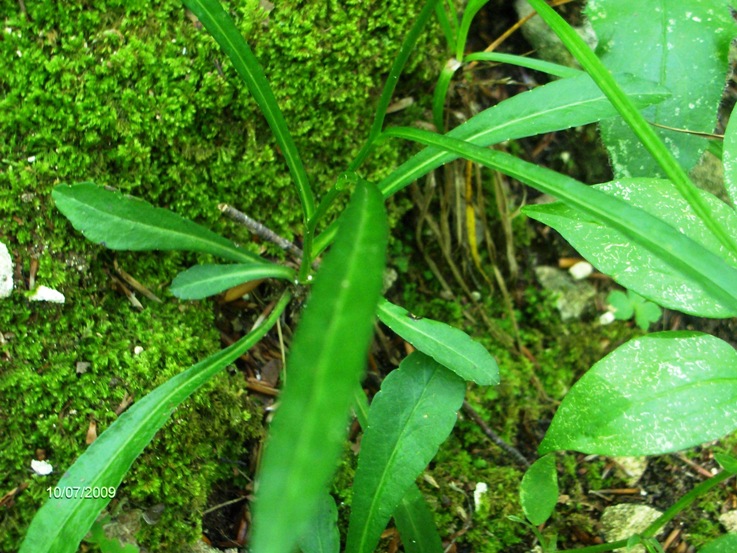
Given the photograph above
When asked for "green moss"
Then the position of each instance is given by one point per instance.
(342, 488)
(485, 528)
(58, 404)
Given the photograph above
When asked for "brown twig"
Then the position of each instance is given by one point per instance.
(493, 436)
(260, 230)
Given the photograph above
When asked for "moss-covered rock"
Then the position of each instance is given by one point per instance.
(136, 95)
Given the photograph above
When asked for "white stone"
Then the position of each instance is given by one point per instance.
(41, 467)
(729, 521)
(6, 272)
(623, 520)
(632, 468)
(581, 270)
(607, 318)
(44, 293)
(478, 495)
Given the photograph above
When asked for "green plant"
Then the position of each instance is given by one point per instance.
(628, 305)
(610, 410)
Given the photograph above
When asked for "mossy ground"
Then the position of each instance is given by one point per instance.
(137, 96)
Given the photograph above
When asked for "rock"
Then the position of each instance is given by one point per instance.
(631, 468)
(623, 520)
(481, 497)
(573, 297)
(581, 270)
(729, 521)
(6, 272)
(44, 293)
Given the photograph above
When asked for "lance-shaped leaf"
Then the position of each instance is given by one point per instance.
(630, 263)
(61, 523)
(122, 222)
(416, 525)
(729, 158)
(660, 393)
(413, 516)
(322, 534)
(201, 281)
(408, 420)
(449, 346)
(324, 367)
(558, 105)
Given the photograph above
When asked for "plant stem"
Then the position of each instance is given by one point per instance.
(307, 261)
(493, 436)
(260, 229)
(598, 548)
(266, 233)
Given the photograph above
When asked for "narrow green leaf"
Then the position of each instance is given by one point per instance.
(680, 39)
(470, 10)
(445, 12)
(324, 367)
(413, 516)
(452, 65)
(656, 394)
(400, 60)
(710, 271)
(538, 492)
(440, 94)
(727, 462)
(122, 222)
(221, 26)
(416, 525)
(206, 280)
(723, 544)
(60, 524)
(555, 69)
(322, 534)
(449, 346)
(632, 264)
(408, 420)
(729, 158)
(555, 106)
